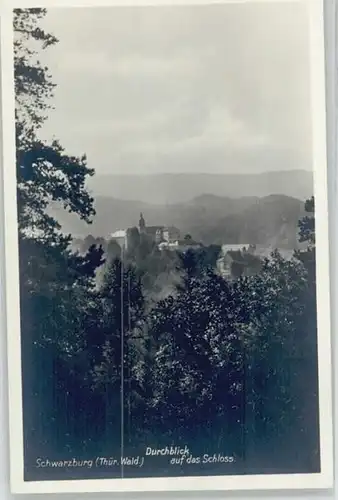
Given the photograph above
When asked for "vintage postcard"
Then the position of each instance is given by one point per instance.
(167, 259)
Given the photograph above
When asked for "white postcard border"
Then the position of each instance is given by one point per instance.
(321, 480)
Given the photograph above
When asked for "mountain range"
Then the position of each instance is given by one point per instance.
(163, 189)
(270, 219)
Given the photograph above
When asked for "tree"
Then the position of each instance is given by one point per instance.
(133, 237)
(309, 418)
(101, 242)
(56, 286)
(113, 250)
(33, 85)
(120, 312)
(307, 223)
(44, 172)
(88, 242)
(307, 234)
(228, 358)
(197, 367)
(53, 309)
(199, 261)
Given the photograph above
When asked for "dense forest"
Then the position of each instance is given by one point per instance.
(222, 366)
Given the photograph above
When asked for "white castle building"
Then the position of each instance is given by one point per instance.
(165, 237)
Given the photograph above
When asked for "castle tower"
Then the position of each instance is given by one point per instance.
(142, 224)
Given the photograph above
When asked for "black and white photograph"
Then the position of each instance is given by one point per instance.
(172, 287)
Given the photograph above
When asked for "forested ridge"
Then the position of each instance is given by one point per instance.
(220, 365)
(268, 221)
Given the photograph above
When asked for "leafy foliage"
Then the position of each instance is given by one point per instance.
(44, 172)
(33, 85)
(307, 223)
(55, 285)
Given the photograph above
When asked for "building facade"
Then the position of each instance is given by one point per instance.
(159, 234)
(120, 237)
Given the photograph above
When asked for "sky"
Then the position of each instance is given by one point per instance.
(205, 88)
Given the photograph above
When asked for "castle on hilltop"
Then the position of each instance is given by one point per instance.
(165, 237)
(159, 234)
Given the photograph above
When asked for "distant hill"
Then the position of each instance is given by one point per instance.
(165, 189)
(271, 220)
